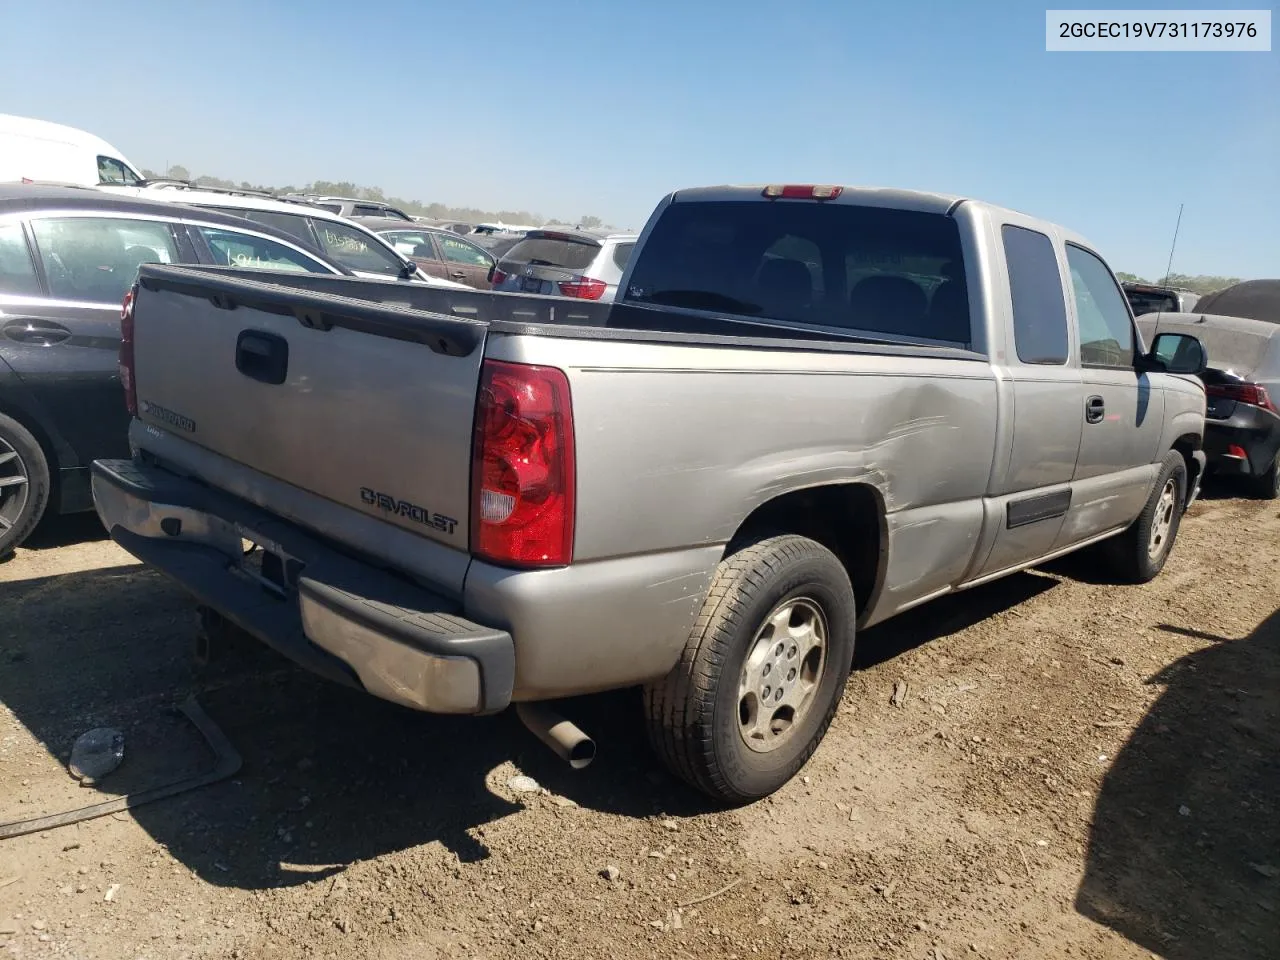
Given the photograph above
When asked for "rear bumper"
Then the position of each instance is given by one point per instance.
(336, 616)
(1254, 431)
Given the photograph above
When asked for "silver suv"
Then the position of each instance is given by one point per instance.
(565, 263)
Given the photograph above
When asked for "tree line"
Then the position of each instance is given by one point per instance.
(344, 188)
(1200, 283)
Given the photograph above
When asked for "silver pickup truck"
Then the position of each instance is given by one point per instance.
(810, 409)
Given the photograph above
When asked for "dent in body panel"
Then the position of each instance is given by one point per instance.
(593, 626)
(1107, 501)
(930, 548)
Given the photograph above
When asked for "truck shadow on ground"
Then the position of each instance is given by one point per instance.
(330, 775)
(62, 531)
(1184, 852)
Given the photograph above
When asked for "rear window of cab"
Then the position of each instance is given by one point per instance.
(855, 268)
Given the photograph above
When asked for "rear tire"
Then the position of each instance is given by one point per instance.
(1267, 486)
(762, 672)
(24, 484)
(1139, 554)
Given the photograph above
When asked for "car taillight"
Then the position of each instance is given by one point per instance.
(126, 352)
(522, 471)
(584, 288)
(1251, 393)
(498, 277)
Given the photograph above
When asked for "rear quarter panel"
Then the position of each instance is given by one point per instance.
(677, 445)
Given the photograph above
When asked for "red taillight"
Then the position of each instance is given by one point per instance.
(801, 191)
(126, 353)
(522, 479)
(1235, 450)
(584, 288)
(498, 277)
(1251, 393)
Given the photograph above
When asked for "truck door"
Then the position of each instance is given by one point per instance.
(1121, 412)
(1041, 396)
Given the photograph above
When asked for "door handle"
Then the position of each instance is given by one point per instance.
(458, 274)
(262, 356)
(41, 333)
(1094, 410)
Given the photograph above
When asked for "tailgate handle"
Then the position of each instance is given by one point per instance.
(262, 356)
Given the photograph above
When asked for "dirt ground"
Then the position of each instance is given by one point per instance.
(1078, 770)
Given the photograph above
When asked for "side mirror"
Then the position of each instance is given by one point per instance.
(1177, 353)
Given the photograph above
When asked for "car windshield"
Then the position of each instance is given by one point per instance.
(871, 269)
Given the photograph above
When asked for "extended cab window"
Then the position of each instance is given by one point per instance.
(865, 269)
(17, 272)
(231, 248)
(1106, 330)
(1039, 306)
(96, 258)
(356, 250)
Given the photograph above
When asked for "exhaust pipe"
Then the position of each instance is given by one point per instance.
(563, 736)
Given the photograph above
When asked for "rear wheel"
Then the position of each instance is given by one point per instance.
(1267, 486)
(1139, 554)
(24, 484)
(762, 672)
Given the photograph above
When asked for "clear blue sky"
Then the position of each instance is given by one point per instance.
(574, 108)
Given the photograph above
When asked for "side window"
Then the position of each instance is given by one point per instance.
(17, 272)
(355, 250)
(1106, 330)
(459, 251)
(111, 170)
(412, 244)
(621, 254)
(96, 258)
(366, 210)
(233, 249)
(1039, 306)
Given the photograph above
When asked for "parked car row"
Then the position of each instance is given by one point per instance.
(67, 258)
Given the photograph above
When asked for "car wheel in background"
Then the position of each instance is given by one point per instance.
(24, 484)
(1139, 554)
(762, 672)
(1267, 486)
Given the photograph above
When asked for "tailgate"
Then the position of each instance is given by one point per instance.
(367, 404)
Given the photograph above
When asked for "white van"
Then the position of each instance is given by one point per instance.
(39, 150)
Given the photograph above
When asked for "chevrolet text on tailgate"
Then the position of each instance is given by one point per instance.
(809, 409)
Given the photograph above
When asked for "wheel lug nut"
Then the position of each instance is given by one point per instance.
(765, 692)
(778, 696)
(767, 668)
(778, 652)
(791, 654)
(791, 675)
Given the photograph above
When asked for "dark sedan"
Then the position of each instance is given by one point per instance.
(1242, 390)
(67, 258)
